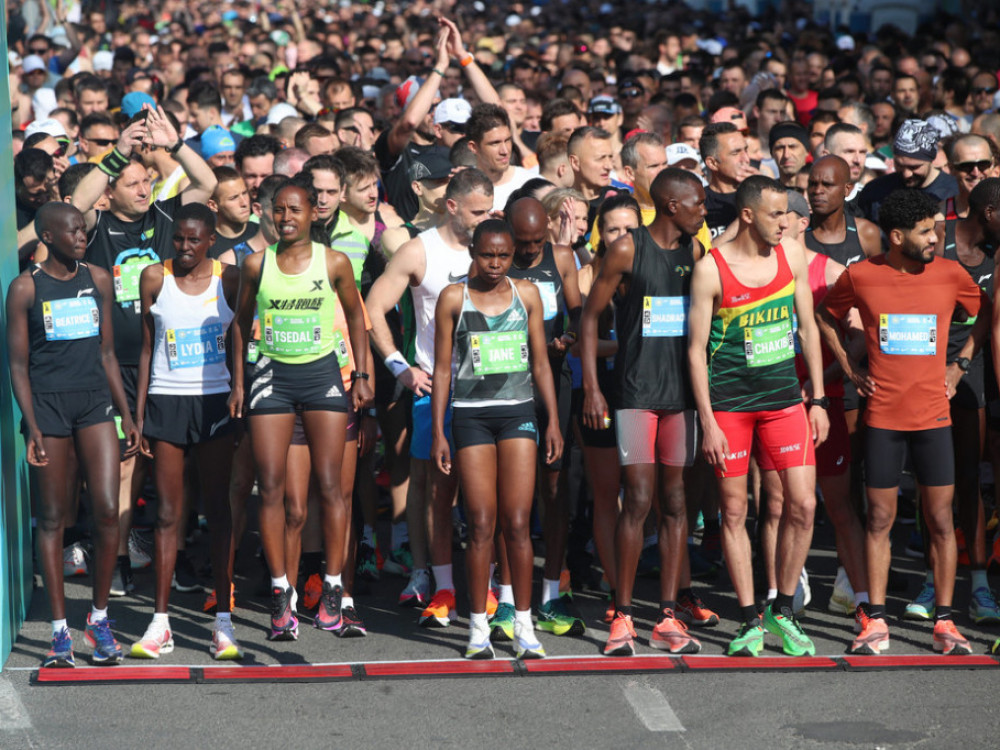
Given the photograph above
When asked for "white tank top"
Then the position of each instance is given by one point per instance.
(189, 338)
(442, 266)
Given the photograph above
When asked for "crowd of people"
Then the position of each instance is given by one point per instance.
(738, 263)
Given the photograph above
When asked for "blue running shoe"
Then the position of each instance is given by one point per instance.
(106, 648)
(61, 653)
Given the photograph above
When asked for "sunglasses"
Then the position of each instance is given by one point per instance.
(102, 142)
(985, 90)
(38, 51)
(630, 94)
(967, 166)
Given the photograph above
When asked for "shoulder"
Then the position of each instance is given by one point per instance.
(451, 296)
(254, 262)
(230, 273)
(563, 255)
(152, 272)
(98, 274)
(526, 288)
(22, 285)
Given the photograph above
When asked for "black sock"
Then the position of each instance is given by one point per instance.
(750, 614)
(665, 605)
(782, 601)
(876, 611)
(124, 559)
(625, 610)
(685, 594)
(943, 613)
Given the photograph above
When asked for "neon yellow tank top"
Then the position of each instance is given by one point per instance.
(296, 312)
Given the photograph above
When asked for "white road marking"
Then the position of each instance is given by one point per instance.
(12, 713)
(652, 708)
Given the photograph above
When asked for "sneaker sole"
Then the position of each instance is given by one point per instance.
(433, 621)
(350, 631)
(984, 619)
(498, 634)
(291, 634)
(909, 614)
(623, 649)
(412, 602)
(526, 654)
(484, 654)
(227, 654)
(59, 662)
(710, 622)
(747, 651)
(138, 652)
(792, 649)
(870, 649)
(577, 628)
(691, 647)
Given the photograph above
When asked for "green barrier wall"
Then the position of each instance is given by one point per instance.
(15, 505)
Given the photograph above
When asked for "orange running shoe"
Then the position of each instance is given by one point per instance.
(948, 640)
(691, 610)
(621, 640)
(437, 614)
(670, 634)
(212, 602)
(874, 636)
(312, 592)
(609, 613)
(564, 582)
(491, 602)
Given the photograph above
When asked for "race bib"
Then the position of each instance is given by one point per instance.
(196, 347)
(340, 346)
(253, 351)
(72, 318)
(292, 334)
(498, 353)
(769, 345)
(908, 334)
(665, 316)
(126, 278)
(550, 303)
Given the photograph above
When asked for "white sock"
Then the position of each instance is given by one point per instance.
(979, 580)
(224, 617)
(523, 618)
(442, 577)
(506, 594)
(368, 536)
(477, 620)
(280, 583)
(860, 597)
(96, 615)
(772, 594)
(347, 601)
(161, 618)
(58, 625)
(334, 580)
(649, 541)
(400, 534)
(550, 590)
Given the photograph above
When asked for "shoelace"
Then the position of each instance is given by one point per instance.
(102, 632)
(279, 604)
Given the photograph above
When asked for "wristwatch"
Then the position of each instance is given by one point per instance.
(963, 363)
(357, 375)
(823, 402)
(172, 150)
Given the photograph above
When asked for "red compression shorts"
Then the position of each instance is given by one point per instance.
(783, 434)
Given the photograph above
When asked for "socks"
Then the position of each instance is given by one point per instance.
(550, 590)
(368, 536)
(442, 577)
(666, 604)
(772, 594)
(522, 618)
(400, 534)
(224, 617)
(782, 601)
(750, 614)
(943, 613)
(280, 583)
(860, 597)
(979, 580)
(161, 618)
(345, 602)
(96, 615)
(57, 626)
(876, 611)
(506, 594)
(625, 610)
(478, 621)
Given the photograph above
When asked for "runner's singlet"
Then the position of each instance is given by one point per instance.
(547, 279)
(846, 252)
(296, 312)
(442, 266)
(491, 359)
(751, 364)
(651, 369)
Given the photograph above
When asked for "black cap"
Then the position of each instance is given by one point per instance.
(430, 164)
(630, 82)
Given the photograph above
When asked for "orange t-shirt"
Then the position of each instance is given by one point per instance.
(905, 318)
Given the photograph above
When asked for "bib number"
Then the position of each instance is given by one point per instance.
(340, 346)
(292, 334)
(769, 345)
(499, 353)
(253, 350)
(908, 335)
(126, 278)
(550, 303)
(71, 319)
(664, 317)
(196, 347)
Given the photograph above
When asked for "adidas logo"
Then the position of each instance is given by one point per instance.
(526, 427)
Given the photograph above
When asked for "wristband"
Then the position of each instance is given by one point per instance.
(113, 163)
(435, 70)
(467, 61)
(396, 363)
(176, 147)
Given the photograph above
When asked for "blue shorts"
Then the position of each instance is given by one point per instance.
(422, 438)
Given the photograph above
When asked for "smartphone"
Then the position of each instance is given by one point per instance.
(139, 116)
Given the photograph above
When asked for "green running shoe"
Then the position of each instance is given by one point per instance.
(502, 623)
(749, 641)
(554, 617)
(794, 640)
(921, 608)
(995, 648)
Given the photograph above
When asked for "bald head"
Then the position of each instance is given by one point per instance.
(672, 184)
(836, 166)
(529, 224)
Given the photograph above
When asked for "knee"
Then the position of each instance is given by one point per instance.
(481, 528)
(51, 522)
(880, 519)
(940, 520)
(733, 517)
(516, 525)
(801, 509)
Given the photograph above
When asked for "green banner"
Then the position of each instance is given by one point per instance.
(15, 503)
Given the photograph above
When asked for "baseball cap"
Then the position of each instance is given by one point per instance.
(279, 112)
(49, 126)
(733, 115)
(431, 164)
(132, 103)
(630, 82)
(134, 74)
(216, 140)
(678, 152)
(603, 105)
(103, 60)
(797, 203)
(407, 90)
(32, 63)
(43, 101)
(454, 110)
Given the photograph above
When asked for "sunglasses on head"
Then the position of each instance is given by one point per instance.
(967, 166)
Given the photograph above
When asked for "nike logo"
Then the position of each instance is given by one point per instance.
(217, 425)
(624, 453)
(116, 234)
(90, 290)
(108, 410)
(456, 279)
(840, 460)
(987, 277)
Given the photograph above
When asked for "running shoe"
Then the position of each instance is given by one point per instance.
(329, 616)
(691, 610)
(554, 617)
(609, 612)
(479, 642)
(995, 648)
(211, 604)
(527, 644)
(138, 551)
(621, 639)
(565, 582)
(874, 636)
(400, 561)
(61, 652)
(749, 640)
(670, 634)
(351, 624)
(701, 566)
(502, 623)
(649, 561)
(284, 623)
(312, 591)
(491, 601)
(794, 640)
(948, 640)
(74, 561)
(121, 578)
(803, 594)
(100, 637)
(860, 618)
(437, 614)
(842, 598)
(224, 646)
(367, 565)
(185, 579)
(921, 608)
(155, 641)
(983, 608)
(418, 591)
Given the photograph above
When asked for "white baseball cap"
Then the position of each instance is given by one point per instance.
(49, 126)
(279, 112)
(678, 152)
(454, 110)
